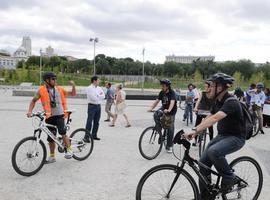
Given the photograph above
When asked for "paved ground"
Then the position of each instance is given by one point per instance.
(113, 170)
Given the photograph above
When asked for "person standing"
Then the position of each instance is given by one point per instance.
(203, 107)
(189, 103)
(53, 99)
(109, 101)
(266, 108)
(95, 95)
(120, 105)
(257, 102)
(249, 92)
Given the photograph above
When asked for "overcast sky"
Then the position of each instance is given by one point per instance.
(229, 30)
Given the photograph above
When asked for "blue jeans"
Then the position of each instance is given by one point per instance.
(215, 154)
(94, 112)
(188, 111)
(170, 133)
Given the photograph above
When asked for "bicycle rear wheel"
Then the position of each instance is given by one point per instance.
(28, 156)
(255, 125)
(150, 143)
(157, 182)
(250, 171)
(81, 149)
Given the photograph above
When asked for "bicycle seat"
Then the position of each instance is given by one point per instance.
(69, 111)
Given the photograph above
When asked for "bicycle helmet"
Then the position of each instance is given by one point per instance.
(260, 86)
(222, 78)
(48, 75)
(165, 82)
(239, 92)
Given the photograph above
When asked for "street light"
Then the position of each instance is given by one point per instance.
(95, 40)
(143, 51)
(40, 66)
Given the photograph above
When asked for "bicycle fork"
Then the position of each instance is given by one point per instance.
(178, 173)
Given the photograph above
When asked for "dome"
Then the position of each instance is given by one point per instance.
(20, 49)
(20, 52)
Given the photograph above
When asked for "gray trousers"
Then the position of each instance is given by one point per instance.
(108, 108)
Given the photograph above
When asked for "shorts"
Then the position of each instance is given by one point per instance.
(59, 122)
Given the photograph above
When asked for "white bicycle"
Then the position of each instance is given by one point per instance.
(29, 155)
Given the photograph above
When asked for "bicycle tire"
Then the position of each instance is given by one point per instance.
(14, 153)
(91, 142)
(255, 126)
(174, 168)
(259, 171)
(202, 143)
(151, 128)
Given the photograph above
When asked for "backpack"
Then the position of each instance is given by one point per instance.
(247, 118)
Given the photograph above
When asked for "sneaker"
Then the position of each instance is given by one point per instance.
(107, 120)
(96, 138)
(169, 150)
(226, 187)
(68, 154)
(50, 160)
(194, 144)
(262, 132)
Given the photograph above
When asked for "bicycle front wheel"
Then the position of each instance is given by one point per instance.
(81, 149)
(157, 183)
(28, 156)
(150, 143)
(250, 171)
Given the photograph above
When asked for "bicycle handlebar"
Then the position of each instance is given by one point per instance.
(178, 139)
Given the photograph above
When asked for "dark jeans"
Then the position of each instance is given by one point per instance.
(94, 112)
(59, 122)
(210, 129)
(170, 133)
(215, 153)
(189, 110)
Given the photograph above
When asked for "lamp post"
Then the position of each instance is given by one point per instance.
(40, 66)
(143, 51)
(94, 40)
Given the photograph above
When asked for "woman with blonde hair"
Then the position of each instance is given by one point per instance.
(120, 105)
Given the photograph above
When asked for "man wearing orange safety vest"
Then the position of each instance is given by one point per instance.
(54, 103)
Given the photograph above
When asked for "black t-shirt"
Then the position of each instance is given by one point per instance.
(232, 124)
(166, 98)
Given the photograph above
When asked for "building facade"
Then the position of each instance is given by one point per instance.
(9, 61)
(188, 59)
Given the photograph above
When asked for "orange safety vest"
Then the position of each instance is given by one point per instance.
(46, 102)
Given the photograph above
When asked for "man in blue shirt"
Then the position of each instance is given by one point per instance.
(109, 101)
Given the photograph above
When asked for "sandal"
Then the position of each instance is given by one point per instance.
(127, 126)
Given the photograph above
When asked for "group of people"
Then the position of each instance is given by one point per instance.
(215, 105)
(54, 103)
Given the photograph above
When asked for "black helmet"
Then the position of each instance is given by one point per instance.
(48, 75)
(222, 78)
(165, 81)
(260, 85)
(239, 92)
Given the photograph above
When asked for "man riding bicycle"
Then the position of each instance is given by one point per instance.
(228, 114)
(169, 107)
(53, 100)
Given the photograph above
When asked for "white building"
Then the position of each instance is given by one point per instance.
(9, 61)
(49, 52)
(188, 59)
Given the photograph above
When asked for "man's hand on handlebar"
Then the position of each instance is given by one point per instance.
(189, 136)
(29, 114)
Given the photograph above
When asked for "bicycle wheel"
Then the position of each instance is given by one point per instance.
(150, 143)
(28, 156)
(157, 182)
(203, 141)
(81, 149)
(187, 119)
(255, 125)
(250, 171)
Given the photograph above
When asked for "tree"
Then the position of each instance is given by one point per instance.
(238, 78)
(198, 76)
(257, 78)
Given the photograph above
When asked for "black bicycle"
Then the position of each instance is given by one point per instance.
(255, 120)
(152, 140)
(174, 182)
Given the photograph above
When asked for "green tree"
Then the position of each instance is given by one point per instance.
(238, 78)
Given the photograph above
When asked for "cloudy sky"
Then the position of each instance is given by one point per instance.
(230, 30)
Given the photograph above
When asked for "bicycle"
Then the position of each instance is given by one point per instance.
(33, 150)
(153, 140)
(169, 181)
(255, 120)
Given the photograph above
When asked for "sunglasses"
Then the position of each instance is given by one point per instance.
(53, 79)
